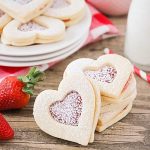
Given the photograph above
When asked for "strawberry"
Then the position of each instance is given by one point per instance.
(15, 92)
(6, 132)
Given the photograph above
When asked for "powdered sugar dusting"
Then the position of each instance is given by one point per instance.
(23, 2)
(68, 110)
(106, 74)
(31, 26)
(60, 4)
(1, 13)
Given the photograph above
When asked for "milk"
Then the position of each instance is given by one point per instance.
(137, 45)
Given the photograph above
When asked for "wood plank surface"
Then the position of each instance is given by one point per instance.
(131, 133)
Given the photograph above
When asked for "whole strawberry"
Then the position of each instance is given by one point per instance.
(15, 91)
(6, 132)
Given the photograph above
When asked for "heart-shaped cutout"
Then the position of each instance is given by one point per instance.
(110, 72)
(24, 10)
(40, 30)
(68, 110)
(67, 113)
(105, 74)
(4, 19)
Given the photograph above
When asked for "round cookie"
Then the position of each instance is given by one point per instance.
(40, 30)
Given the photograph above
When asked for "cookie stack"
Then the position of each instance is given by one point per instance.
(27, 22)
(114, 76)
(93, 95)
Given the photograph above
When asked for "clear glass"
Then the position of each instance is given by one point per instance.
(137, 44)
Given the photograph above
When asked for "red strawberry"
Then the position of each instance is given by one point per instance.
(6, 132)
(15, 91)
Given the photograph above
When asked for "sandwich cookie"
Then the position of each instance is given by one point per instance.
(24, 10)
(97, 110)
(70, 11)
(128, 90)
(108, 71)
(40, 30)
(109, 107)
(118, 117)
(67, 113)
(4, 19)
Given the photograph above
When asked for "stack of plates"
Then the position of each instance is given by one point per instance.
(47, 53)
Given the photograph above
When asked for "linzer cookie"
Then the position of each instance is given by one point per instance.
(24, 10)
(70, 11)
(115, 119)
(123, 70)
(4, 19)
(69, 112)
(108, 71)
(128, 90)
(108, 106)
(106, 117)
(97, 110)
(113, 74)
(40, 30)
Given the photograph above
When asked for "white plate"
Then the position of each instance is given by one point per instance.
(41, 57)
(73, 34)
(45, 61)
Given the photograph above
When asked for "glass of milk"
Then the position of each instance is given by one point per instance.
(137, 45)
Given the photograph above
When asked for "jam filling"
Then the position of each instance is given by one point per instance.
(68, 110)
(60, 4)
(23, 2)
(31, 26)
(1, 13)
(127, 83)
(106, 74)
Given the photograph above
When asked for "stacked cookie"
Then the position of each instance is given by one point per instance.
(93, 95)
(26, 22)
(114, 76)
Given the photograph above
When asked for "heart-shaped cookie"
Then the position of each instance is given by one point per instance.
(108, 116)
(40, 30)
(97, 110)
(108, 106)
(24, 10)
(128, 90)
(108, 71)
(4, 19)
(66, 10)
(67, 113)
(115, 119)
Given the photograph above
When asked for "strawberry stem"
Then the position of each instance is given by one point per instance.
(31, 79)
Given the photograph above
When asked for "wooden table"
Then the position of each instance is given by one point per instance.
(131, 133)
